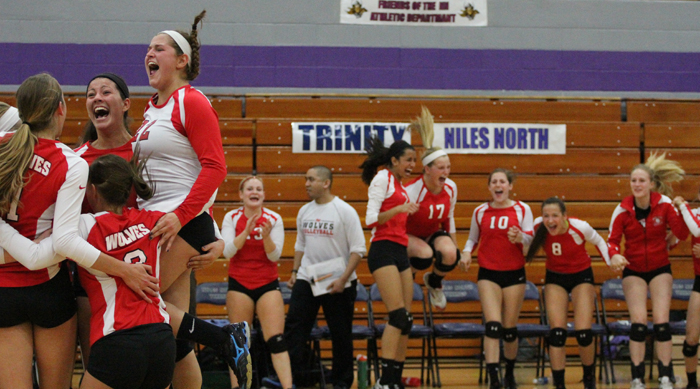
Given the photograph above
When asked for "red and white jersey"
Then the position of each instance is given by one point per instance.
(489, 230)
(436, 211)
(182, 140)
(127, 237)
(692, 220)
(56, 180)
(90, 154)
(386, 192)
(250, 265)
(566, 253)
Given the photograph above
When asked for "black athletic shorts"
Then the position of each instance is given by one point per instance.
(254, 294)
(503, 278)
(647, 276)
(696, 284)
(75, 279)
(387, 253)
(46, 305)
(199, 232)
(141, 357)
(569, 281)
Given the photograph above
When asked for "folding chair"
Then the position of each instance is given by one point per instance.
(680, 296)
(461, 319)
(612, 290)
(599, 331)
(421, 326)
(532, 311)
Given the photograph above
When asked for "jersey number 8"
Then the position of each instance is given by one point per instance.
(135, 256)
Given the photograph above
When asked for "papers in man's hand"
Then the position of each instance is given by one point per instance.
(321, 275)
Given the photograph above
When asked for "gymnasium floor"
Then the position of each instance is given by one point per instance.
(453, 378)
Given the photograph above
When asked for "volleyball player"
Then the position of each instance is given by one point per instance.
(496, 228)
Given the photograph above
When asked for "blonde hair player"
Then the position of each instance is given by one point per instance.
(496, 228)
(254, 237)
(643, 219)
(431, 230)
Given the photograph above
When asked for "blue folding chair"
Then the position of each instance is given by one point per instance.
(421, 326)
(538, 330)
(681, 292)
(462, 319)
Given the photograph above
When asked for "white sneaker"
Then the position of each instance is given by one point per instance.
(437, 296)
(637, 384)
(665, 383)
(377, 385)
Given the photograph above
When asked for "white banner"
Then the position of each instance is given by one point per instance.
(344, 137)
(500, 138)
(449, 13)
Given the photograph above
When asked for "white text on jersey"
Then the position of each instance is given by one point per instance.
(40, 165)
(126, 237)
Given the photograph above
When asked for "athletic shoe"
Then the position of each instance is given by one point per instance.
(237, 353)
(509, 382)
(271, 382)
(377, 385)
(437, 296)
(637, 383)
(589, 382)
(691, 387)
(665, 383)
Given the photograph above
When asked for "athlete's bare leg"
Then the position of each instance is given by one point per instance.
(55, 354)
(270, 310)
(16, 348)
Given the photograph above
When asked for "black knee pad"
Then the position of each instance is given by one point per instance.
(638, 332)
(493, 330)
(421, 263)
(662, 332)
(276, 344)
(689, 351)
(182, 348)
(401, 319)
(510, 334)
(584, 337)
(440, 265)
(557, 337)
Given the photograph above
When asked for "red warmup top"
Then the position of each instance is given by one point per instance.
(386, 192)
(90, 154)
(127, 236)
(645, 240)
(435, 212)
(692, 220)
(489, 229)
(566, 253)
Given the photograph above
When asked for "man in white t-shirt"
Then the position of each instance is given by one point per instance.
(327, 228)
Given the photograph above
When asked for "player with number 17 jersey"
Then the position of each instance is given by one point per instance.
(489, 229)
(127, 236)
(435, 212)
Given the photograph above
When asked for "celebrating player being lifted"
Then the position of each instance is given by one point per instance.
(431, 230)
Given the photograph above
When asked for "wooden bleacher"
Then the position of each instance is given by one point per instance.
(605, 139)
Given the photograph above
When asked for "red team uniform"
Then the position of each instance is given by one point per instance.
(692, 220)
(51, 199)
(182, 140)
(251, 266)
(566, 253)
(90, 154)
(645, 240)
(436, 211)
(385, 193)
(127, 237)
(489, 230)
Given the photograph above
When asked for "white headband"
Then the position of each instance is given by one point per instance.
(181, 42)
(9, 119)
(433, 156)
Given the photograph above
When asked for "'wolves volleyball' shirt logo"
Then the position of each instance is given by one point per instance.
(318, 227)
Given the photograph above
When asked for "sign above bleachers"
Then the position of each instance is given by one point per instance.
(448, 13)
(500, 138)
(344, 137)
